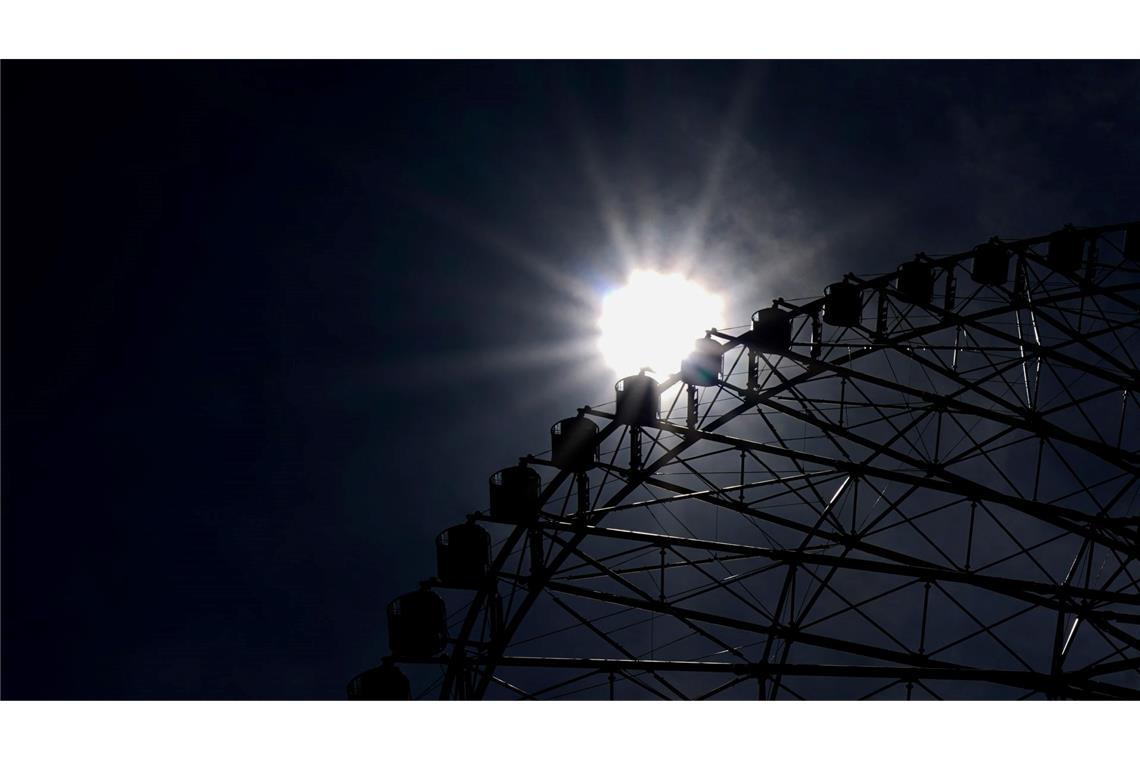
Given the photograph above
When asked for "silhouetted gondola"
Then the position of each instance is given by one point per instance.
(771, 331)
(990, 263)
(915, 281)
(842, 304)
(417, 624)
(638, 400)
(703, 365)
(463, 556)
(384, 683)
(514, 494)
(572, 444)
(1066, 249)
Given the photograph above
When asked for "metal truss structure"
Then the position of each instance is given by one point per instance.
(931, 495)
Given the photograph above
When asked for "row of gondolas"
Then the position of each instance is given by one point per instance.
(417, 621)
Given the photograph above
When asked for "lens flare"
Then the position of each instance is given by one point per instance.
(653, 320)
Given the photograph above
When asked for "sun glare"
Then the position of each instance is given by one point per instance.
(653, 320)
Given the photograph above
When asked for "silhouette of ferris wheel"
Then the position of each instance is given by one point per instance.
(920, 485)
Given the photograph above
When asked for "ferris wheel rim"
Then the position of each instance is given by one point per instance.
(873, 343)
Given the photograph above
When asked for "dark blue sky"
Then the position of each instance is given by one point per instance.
(267, 327)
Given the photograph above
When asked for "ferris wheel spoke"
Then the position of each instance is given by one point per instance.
(981, 322)
(636, 552)
(715, 559)
(983, 629)
(1073, 683)
(1122, 569)
(1115, 637)
(1088, 492)
(978, 448)
(917, 465)
(727, 585)
(1035, 592)
(1114, 328)
(894, 507)
(726, 491)
(1037, 425)
(1079, 408)
(511, 687)
(880, 689)
(648, 597)
(780, 631)
(849, 606)
(793, 487)
(1077, 401)
(1002, 559)
(823, 586)
(732, 682)
(1086, 340)
(569, 681)
(1103, 669)
(1075, 521)
(871, 528)
(615, 644)
(1118, 293)
(814, 411)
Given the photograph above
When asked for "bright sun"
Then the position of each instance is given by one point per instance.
(653, 320)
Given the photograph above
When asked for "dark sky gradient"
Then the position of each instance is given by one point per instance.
(268, 327)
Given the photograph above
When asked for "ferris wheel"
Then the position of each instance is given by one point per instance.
(922, 484)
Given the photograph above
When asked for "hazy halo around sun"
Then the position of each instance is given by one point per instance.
(652, 321)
